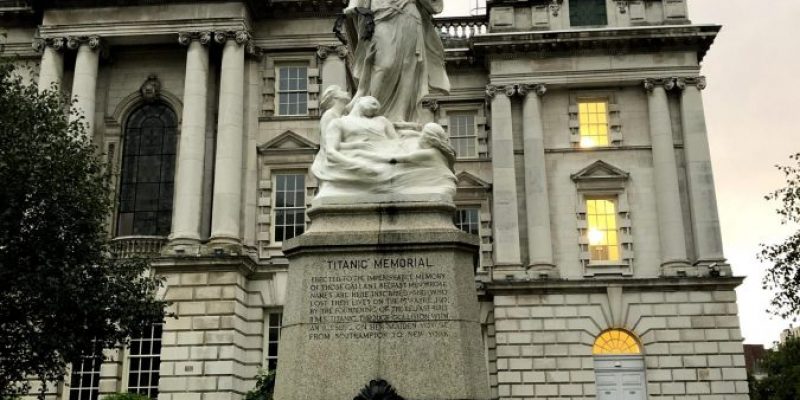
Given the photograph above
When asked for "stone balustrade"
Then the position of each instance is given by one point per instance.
(465, 27)
(137, 246)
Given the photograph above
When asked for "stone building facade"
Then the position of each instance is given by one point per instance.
(583, 167)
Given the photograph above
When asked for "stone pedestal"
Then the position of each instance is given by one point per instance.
(382, 290)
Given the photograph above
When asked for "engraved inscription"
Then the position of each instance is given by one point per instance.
(378, 298)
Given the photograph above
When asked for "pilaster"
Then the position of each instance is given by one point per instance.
(84, 82)
(700, 178)
(187, 208)
(333, 65)
(537, 201)
(226, 212)
(505, 217)
(51, 69)
(665, 173)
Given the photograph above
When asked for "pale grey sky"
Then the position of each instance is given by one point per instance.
(750, 105)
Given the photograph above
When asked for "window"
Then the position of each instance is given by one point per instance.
(468, 220)
(144, 358)
(593, 120)
(463, 135)
(587, 13)
(292, 90)
(85, 379)
(615, 341)
(602, 232)
(148, 172)
(273, 336)
(290, 206)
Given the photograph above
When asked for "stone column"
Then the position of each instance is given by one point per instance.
(225, 218)
(188, 200)
(332, 64)
(537, 201)
(505, 218)
(665, 173)
(51, 68)
(84, 81)
(700, 178)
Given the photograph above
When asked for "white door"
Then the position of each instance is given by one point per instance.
(620, 378)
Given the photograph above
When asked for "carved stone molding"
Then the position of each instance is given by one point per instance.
(623, 6)
(151, 89)
(57, 43)
(253, 51)
(679, 83)
(430, 104)
(204, 37)
(241, 37)
(697, 81)
(555, 7)
(539, 88)
(74, 42)
(323, 51)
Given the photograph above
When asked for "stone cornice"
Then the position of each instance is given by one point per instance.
(542, 44)
(601, 285)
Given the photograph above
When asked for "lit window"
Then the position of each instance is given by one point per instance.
(468, 220)
(601, 218)
(588, 13)
(463, 136)
(148, 172)
(144, 358)
(85, 379)
(616, 342)
(274, 320)
(292, 91)
(290, 206)
(593, 117)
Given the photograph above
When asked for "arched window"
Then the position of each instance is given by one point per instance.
(616, 342)
(619, 366)
(148, 172)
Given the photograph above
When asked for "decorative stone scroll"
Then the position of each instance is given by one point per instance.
(56, 43)
(73, 42)
(204, 37)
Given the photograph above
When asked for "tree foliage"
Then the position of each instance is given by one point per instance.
(783, 277)
(782, 367)
(61, 292)
(265, 386)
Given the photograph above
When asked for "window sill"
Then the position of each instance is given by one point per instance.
(288, 118)
(617, 268)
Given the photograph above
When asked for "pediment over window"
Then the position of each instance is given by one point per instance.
(467, 181)
(288, 142)
(600, 175)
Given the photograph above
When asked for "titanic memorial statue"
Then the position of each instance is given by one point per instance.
(381, 299)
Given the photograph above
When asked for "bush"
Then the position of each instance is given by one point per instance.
(265, 386)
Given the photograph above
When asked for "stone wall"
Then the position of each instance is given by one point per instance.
(692, 345)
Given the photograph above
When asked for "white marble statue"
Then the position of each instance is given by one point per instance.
(362, 153)
(403, 60)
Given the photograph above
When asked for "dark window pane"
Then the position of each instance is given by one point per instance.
(587, 12)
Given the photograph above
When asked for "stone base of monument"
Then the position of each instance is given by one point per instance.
(382, 292)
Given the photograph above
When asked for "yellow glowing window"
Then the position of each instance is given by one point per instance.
(615, 341)
(593, 116)
(601, 218)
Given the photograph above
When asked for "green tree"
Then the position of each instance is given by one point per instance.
(265, 386)
(782, 367)
(783, 277)
(61, 292)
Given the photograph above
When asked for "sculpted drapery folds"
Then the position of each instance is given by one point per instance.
(403, 60)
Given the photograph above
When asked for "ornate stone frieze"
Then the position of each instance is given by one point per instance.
(623, 6)
(57, 43)
(555, 7)
(204, 37)
(74, 42)
(323, 51)
(241, 37)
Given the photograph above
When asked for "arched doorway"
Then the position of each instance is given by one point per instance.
(619, 366)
